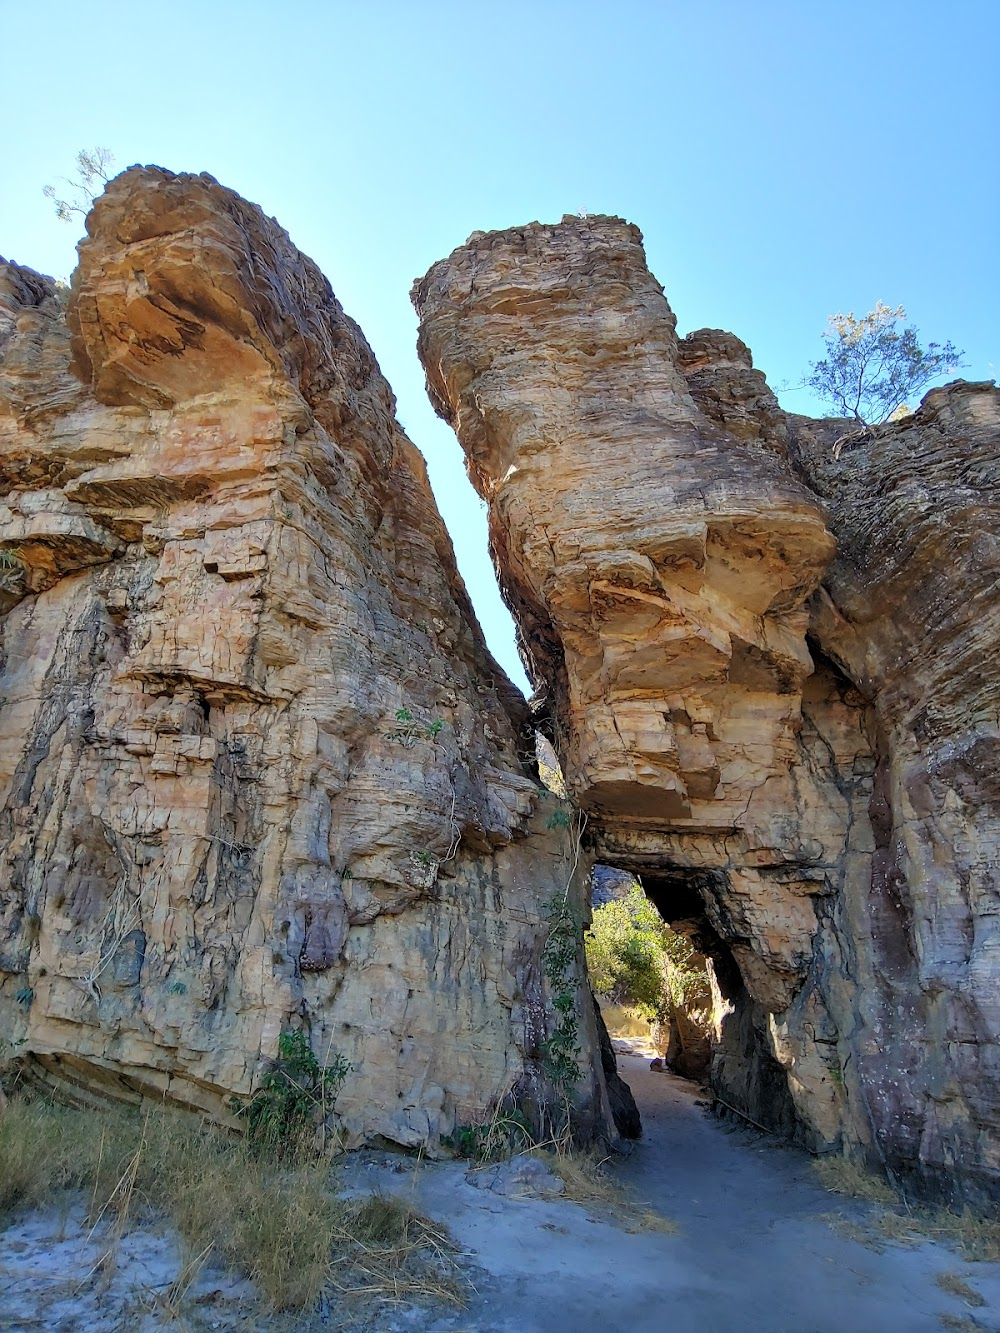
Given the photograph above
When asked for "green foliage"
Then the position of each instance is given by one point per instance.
(295, 1093)
(635, 959)
(558, 819)
(24, 997)
(561, 1048)
(494, 1140)
(92, 174)
(407, 730)
(871, 369)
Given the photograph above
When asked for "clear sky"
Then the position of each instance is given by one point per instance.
(785, 159)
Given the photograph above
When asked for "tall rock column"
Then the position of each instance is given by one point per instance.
(659, 569)
(257, 767)
(658, 566)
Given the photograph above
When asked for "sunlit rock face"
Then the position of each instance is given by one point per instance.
(729, 721)
(257, 767)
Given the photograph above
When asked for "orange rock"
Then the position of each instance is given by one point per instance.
(228, 578)
(819, 812)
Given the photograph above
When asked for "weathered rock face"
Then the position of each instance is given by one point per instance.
(910, 612)
(662, 536)
(257, 767)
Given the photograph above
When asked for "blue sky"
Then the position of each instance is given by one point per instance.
(784, 160)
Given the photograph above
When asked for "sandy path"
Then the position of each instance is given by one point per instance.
(759, 1258)
(751, 1255)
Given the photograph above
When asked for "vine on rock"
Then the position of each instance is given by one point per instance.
(562, 959)
(561, 1049)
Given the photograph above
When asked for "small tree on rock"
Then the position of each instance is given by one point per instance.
(871, 368)
(93, 171)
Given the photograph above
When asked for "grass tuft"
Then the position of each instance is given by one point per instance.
(975, 1237)
(588, 1182)
(841, 1176)
(955, 1285)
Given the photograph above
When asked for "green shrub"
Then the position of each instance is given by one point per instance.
(506, 1134)
(294, 1096)
(635, 959)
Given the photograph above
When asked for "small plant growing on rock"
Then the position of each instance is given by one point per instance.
(295, 1094)
(504, 1135)
(93, 171)
(561, 1048)
(10, 569)
(871, 369)
(408, 729)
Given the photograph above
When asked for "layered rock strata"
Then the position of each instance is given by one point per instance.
(910, 610)
(257, 768)
(751, 739)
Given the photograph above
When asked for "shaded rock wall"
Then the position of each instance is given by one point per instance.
(224, 577)
(799, 740)
(909, 610)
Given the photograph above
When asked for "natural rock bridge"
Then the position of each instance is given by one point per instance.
(258, 767)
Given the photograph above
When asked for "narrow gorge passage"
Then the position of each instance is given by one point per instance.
(755, 1250)
(709, 1030)
(756, 1246)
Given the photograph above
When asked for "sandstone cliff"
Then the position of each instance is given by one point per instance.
(257, 767)
(792, 746)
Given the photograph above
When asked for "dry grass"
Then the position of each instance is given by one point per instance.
(589, 1182)
(840, 1176)
(976, 1238)
(279, 1223)
(585, 1174)
(955, 1285)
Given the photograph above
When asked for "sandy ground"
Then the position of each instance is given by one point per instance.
(752, 1253)
(55, 1274)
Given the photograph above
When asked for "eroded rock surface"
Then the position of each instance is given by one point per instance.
(909, 610)
(802, 765)
(257, 767)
